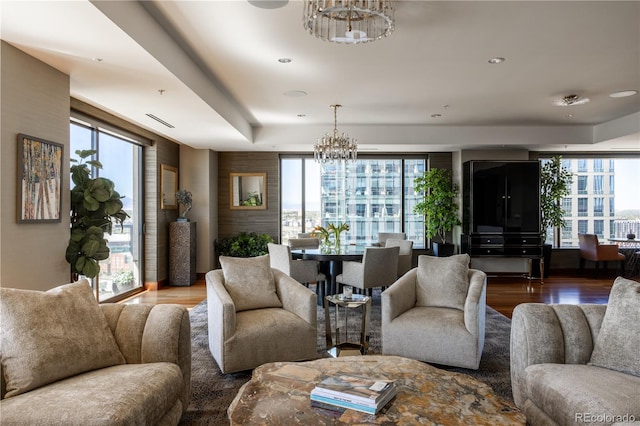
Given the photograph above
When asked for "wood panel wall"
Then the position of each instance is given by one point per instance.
(232, 222)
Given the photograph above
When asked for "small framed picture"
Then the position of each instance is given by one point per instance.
(39, 180)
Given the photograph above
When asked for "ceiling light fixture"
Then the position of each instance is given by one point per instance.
(496, 60)
(335, 147)
(570, 100)
(348, 21)
(623, 94)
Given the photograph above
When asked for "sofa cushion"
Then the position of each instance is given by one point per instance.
(130, 394)
(442, 281)
(563, 391)
(48, 336)
(250, 282)
(618, 343)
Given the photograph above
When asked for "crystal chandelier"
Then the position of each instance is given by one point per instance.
(335, 147)
(348, 21)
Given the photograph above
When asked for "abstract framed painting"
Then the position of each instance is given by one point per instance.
(39, 180)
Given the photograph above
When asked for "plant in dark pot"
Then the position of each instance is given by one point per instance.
(95, 205)
(555, 184)
(439, 207)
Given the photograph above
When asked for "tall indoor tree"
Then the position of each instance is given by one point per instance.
(95, 205)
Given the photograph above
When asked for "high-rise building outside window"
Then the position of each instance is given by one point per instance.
(605, 193)
(372, 195)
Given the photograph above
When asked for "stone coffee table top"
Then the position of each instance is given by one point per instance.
(278, 394)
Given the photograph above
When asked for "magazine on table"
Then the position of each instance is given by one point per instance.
(356, 389)
(324, 402)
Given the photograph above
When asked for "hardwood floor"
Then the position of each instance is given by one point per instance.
(503, 292)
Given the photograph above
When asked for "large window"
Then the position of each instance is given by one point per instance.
(372, 195)
(121, 159)
(604, 190)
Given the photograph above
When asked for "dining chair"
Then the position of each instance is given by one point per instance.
(405, 256)
(303, 243)
(303, 271)
(591, 249)
(384, 236)
(379, 268)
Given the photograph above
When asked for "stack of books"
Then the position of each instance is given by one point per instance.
(354, 392)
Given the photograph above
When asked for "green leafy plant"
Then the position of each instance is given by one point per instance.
(253, 199)
(439, 204)
(555, 183)
(123, 278)
(95, 204)
(244, 245)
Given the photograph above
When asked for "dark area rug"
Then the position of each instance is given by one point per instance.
(212, 391)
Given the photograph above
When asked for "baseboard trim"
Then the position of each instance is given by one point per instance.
(155, 285)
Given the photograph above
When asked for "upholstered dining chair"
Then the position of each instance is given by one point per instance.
(436, 313)
(303, 271)
(257, 314)
(405, 256)
(378, 268)
(304, 243)
(591, 249)
(384, 236)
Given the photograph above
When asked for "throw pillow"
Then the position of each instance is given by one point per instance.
(617, 346)
(443, 281)
(48, 336)
(250, 282)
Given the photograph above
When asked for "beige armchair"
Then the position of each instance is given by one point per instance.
(591, 249)
(258, 314)
(378, 268)
(436, 313)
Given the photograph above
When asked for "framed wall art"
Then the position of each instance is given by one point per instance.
(248, 191)
(39, 180)
(168, 187)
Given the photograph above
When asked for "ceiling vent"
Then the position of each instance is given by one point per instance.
(160, 120)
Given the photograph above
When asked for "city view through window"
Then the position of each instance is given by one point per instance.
(377, 196)
(603, 201)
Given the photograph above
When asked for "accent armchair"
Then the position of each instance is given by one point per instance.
(258, 314)
(436, 313)
(591, 249)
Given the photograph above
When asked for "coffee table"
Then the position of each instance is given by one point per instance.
(278, 394)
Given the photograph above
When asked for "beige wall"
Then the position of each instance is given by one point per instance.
(199, 174)
(34, 100)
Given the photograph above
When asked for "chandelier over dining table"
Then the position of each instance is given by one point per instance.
(335, 147)
(349, 21)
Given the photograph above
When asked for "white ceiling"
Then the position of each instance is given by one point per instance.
(224, 88)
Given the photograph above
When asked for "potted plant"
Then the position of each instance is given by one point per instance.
(439, 207)
(95, 204)
(555, 183)
(184, 198)
(244, 245)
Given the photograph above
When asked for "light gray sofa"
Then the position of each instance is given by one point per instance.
(561, 374)
(258, 314)
(144, 380)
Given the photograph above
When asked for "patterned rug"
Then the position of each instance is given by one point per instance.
(212, 391)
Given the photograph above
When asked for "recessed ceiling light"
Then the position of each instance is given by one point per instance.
(97, 59)
(295, 93)
(436, 115)
(569, 116)
(302, 115)
(496, 60)
(284, 60)
(623, 94)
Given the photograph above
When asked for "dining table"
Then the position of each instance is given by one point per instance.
(330, 262)
(630, 247)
